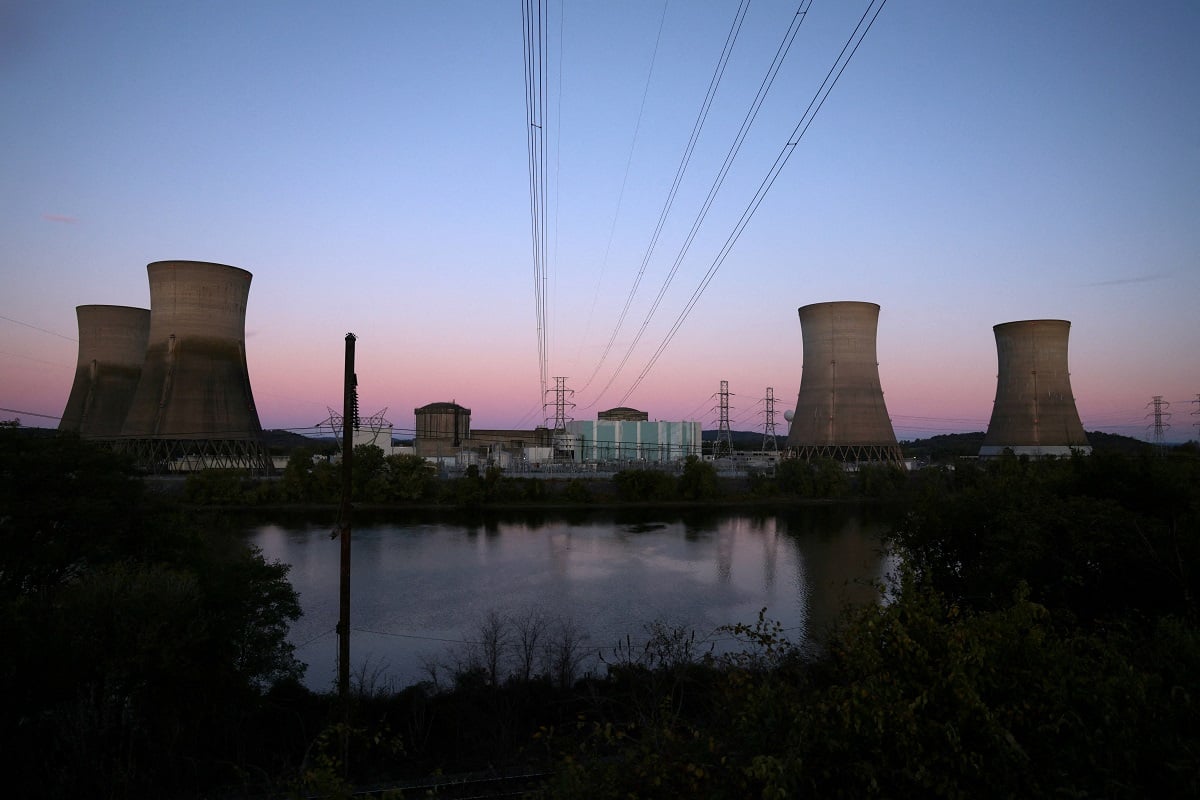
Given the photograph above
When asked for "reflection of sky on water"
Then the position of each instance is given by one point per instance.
(416, 585)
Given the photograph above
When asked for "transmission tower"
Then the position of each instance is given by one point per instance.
(563, 404)
(769, 441)
(1197, 411)
(1161, 417)
(723, 448)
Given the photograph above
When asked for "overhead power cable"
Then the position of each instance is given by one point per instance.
(36, 328)
(751, 114)
(705, 105)
(831, 78)
(534, 14)
(612, 230)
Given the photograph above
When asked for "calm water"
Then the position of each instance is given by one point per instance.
(420, 589)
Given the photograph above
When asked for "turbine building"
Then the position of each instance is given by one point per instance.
(1034, 413)
(840, 413)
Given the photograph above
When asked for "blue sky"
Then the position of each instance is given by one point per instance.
(975, 164)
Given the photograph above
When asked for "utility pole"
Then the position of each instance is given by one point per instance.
(724, 443)
(1160, 423)
(349, 424)
(769, 440)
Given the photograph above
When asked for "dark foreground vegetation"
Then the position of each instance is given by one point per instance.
(1042, 641)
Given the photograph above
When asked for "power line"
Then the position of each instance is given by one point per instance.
(36, 328)
(831, 78)
(28, 413)
(705, 105)
(534, 23)
(719, 180)
(624, 180)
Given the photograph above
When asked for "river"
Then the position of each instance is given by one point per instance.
(424, 587)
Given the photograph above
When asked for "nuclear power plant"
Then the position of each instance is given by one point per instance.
(170, 386)
(1034, 413)
(840, 413)
(112, 347)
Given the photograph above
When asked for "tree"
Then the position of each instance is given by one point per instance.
(410, 477)
(145, 641)
(698, 481)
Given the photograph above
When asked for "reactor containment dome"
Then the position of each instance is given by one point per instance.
(1034, 413)
(840, 413)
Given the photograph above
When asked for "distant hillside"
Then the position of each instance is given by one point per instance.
(741, 440)
(949, 446)
(1116, 443)
(943, 447)
(284, 442)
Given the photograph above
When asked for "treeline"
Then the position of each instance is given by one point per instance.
(410, 480)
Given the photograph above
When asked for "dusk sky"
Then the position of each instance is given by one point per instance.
(976, 163)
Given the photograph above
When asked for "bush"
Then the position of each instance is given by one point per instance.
(698, 481)
(641, 485)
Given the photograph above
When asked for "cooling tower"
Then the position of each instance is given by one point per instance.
(193, 405)
(1034, 413)
(840, 411)
(112, 345)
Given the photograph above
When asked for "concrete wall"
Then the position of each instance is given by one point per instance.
(195, 383)
(112, 348)
(840, 402)
(1034, 411)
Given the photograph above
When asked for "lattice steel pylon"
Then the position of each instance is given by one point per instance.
(1161, 419)
(1197, 411)
(723, 447)
(769, 440)
(563, 404)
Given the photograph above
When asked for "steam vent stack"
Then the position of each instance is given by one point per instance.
(840, 412)
(112, 345)
(1034, 413)
(193, 407)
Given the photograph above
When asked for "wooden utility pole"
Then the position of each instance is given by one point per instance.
(343, 627)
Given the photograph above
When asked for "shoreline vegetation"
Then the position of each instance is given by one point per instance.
(1042, 639)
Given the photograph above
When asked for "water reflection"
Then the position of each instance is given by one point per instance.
(421, 584)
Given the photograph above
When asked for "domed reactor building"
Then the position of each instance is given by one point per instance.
(1034, 413)
(840, 413)
(193, 407)
(112, 346)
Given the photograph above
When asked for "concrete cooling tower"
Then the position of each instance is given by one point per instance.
(840, 412)
(112, 346)
(193, 406)
(1034, 413)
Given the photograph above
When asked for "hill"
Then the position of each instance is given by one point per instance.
(949, 446)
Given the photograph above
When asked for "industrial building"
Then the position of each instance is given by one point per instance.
(443, 433)
(840, 413)
(112, 347)
(624, 439)
(193, 407)
(1034, 412)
